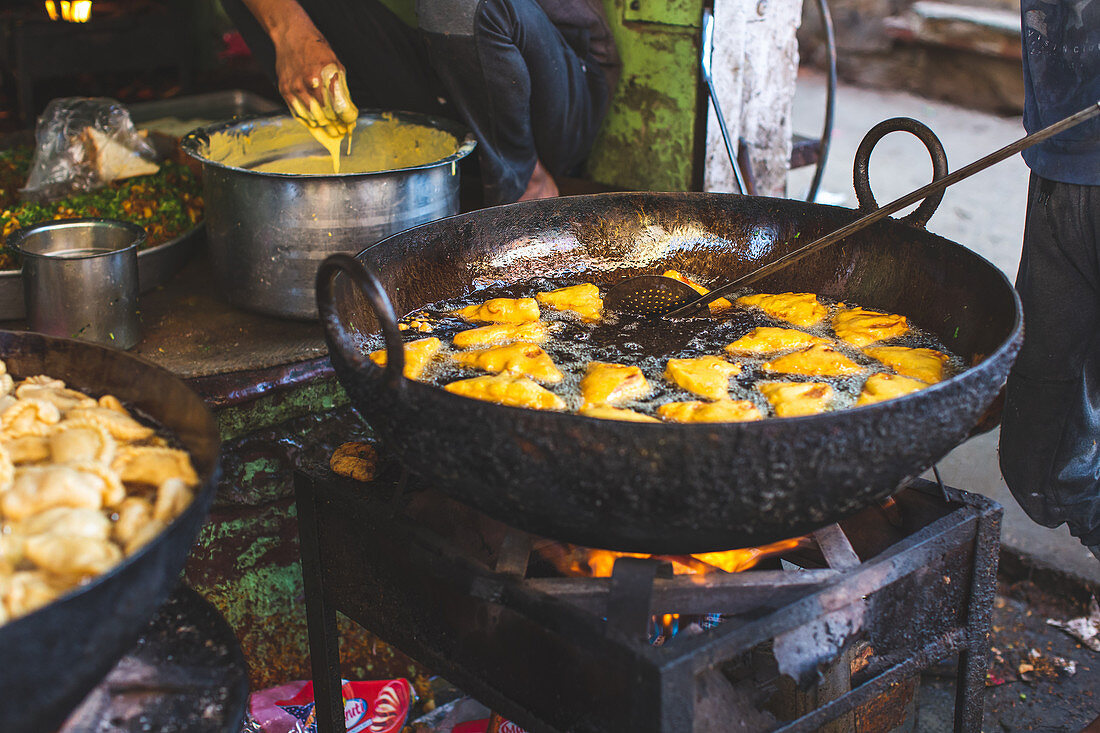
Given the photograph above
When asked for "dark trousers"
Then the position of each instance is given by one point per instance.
(500, 66)
(1050, 433)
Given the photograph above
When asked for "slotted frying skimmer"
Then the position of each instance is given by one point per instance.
(648, 295)
(654, 295)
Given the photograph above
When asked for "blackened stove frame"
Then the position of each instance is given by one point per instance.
(556, 654)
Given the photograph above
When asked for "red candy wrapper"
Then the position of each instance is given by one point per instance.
(369, 707)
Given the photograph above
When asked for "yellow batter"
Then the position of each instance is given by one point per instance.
(378, 145)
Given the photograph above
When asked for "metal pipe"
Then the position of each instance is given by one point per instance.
(830, 99)
(708, 49)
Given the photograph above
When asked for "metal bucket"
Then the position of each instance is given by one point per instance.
(269, 232)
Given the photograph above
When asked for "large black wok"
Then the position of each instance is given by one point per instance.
(670, 488)
(54, 656)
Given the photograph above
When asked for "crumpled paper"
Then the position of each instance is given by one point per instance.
(1085, 629)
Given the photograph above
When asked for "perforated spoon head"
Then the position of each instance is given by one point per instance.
(648, 295)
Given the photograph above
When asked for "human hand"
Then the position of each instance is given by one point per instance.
(313, 82)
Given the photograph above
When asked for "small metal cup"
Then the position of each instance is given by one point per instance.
(80, 279)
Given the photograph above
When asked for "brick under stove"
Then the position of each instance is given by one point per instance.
(840, 625)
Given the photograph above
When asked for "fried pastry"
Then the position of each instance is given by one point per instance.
(501, 310)
(153, 465)
(113, 490)
(356, 460)
(38, 488)
(506, 389)
(28, 417)
(612, 384)
(11, 549)
(62, 397)
(517, 359)
(721, 411)
(418, 354)
(499, 334)
(6, 381)
(119, 424)
(716, 306)
(77, 441)
(861, 327)
(173, 496)
(133, 514)
(881, 387)
(583, 299)
(927, 365)
(69, 521)
(816, 361)
(27, 590)
(798, 309)
(111, 402)
(796, 399)
(706, 376)
(27, 449)
(42, 380)
(145, 533)
(767, 340)
(7, 469)
(71, 555)
(616, 413)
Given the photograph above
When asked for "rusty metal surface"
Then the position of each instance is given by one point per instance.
(189, 329)
(246, 561)
(549, 665)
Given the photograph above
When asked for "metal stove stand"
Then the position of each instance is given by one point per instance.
(572, 654)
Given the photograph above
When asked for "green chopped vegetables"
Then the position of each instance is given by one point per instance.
(167, 203)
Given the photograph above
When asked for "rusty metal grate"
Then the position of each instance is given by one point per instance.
(461, 594)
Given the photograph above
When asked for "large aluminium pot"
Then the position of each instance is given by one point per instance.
(54, 656)
(669, 488)
(268, 232)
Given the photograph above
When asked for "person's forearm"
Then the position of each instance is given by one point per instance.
(281, 18)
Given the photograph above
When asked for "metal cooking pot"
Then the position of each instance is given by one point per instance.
(54, 656)
(669, 488)
(268, 232)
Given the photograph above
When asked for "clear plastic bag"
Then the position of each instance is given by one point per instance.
(83, 143)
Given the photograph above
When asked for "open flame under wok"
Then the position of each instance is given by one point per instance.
(576, 561)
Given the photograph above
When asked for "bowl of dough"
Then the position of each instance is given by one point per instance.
(107, 471)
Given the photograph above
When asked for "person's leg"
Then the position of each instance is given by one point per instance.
(387, 64)
(1049, 450)
(526, 93)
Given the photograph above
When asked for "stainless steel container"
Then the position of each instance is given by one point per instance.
(269, 232)
(80, 279)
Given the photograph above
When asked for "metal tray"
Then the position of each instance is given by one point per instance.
(156, 265)
(213, 105)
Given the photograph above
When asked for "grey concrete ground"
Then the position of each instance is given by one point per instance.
(985, 213)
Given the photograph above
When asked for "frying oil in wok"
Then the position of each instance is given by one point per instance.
(649, 343)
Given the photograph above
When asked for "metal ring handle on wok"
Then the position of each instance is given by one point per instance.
(369, 284)
(861, 172)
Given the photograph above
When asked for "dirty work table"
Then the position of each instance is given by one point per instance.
(274, 395)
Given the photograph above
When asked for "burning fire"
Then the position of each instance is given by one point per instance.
(74, 11)
(584, 562)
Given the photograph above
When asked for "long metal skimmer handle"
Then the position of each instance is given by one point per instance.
(881, 213)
